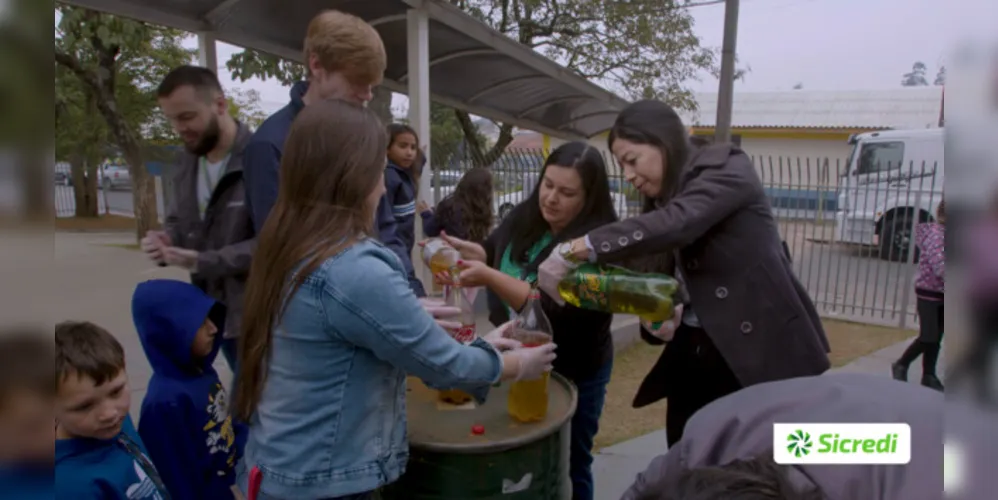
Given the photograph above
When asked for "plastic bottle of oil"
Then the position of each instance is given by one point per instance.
(621, 291)
(440, 257)
(528, 399)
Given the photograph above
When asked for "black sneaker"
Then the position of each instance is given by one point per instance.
(899, 372)
(932, 382)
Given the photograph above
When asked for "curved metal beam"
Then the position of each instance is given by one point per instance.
(565, 125)
(220, 14)
(453, 55)
(550, 102)
(394, 18)
(503, 84)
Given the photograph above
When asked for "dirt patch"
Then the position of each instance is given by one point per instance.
(620, 422)
(102, 224)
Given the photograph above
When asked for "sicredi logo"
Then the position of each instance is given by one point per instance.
(841, 443)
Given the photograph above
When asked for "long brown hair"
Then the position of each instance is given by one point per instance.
(474, 195)
(333, 159)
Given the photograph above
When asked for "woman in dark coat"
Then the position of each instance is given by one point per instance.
(746, 318)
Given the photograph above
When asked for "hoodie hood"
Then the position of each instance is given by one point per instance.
(167, 315)
(404, 173)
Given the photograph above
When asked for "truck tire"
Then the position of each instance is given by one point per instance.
(897, 237)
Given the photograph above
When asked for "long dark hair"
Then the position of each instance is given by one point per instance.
(332, 161)
(473, 197)
(657, 124)
(597, 209)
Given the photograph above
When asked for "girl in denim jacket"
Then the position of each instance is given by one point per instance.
(331, 327)
(929, 287)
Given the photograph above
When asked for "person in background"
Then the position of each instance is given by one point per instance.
(27, 393)
(98, 454)
(346, 59)
(727, 448)
(400, 180)
(572, 197)
(207, 229)
(185, 422)
(706, 220)
(466, 213)
(332, 328)
(929, 288)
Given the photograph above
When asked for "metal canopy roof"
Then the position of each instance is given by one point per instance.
(472, 67)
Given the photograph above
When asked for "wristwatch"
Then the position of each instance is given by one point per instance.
(568, 250)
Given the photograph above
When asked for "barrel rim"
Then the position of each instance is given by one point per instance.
(531, 437)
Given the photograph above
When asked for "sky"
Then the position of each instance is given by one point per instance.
(821, 44)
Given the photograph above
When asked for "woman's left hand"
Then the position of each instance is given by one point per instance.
(497, 338)
(421, 206)
(551, 272)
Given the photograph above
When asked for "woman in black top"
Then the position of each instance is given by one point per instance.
(571, 198)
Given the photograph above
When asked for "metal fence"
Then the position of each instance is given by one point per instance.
(850, 236)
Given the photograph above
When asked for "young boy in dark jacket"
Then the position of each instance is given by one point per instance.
(185, 422)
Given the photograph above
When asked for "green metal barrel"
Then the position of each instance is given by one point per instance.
(508, 461)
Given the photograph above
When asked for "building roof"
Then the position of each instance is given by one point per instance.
(863, 109)
(472, 66)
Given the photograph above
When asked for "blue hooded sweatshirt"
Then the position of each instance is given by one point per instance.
(401, 192)
(112, 469)
(262, 162)
(185, 420)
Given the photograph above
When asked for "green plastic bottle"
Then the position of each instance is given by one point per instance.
(617, 290)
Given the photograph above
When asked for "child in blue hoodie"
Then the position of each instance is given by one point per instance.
(98, 454)
(404, 161)
(185, 419)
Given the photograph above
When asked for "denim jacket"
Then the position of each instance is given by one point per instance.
(331, 420)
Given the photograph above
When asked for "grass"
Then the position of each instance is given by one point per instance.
(104, 223)
(621, 422)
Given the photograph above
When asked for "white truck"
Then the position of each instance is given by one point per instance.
(893, 180)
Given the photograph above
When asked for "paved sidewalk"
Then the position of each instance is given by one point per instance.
(615, 467)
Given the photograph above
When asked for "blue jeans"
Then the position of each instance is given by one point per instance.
(230, 349)
(585, 424)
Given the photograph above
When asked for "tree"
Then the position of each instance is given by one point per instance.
(244, 105)
(799, 86)
(940, 77)
(119, 62)
(916, 78)
(80, 134)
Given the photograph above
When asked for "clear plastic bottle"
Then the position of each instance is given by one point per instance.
(463, 298)
(528, 399)
(440, 257)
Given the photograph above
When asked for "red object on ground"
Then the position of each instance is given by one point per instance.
(478, 429)
(255, 478)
